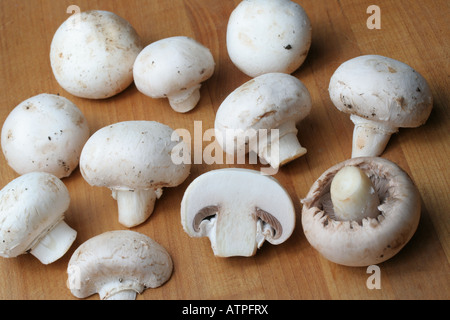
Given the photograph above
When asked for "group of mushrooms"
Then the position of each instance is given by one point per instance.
(359, 212)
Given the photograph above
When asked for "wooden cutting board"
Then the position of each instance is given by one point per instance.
(413, 31)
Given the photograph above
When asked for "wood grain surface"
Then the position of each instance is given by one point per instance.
(413, 31)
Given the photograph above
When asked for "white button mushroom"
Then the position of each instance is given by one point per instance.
(32, 209)
(266, 36)
(92, 54)
(372, 234)
(237, 209)
(382, 95)
(270, 101)
(44, 133)
(117, 265)
(133, 159)
(174, 68)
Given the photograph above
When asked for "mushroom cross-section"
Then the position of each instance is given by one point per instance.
(237, 209)
(361, 222)
(247, 117)
(117, 265)
(381, 95)
(133, 159)
(32, 209)
(174, 68)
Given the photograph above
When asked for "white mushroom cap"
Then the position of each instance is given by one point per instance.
(44, 133)
(133, 159)
(266, 36)
(174, 68)
(32, 209)
(238, 209)
(92, 54)
(270, 101)
(117, 265)
(382, 95)
(373, 240)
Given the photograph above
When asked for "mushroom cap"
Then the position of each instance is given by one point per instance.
(92, 54)
(243, 191)
(376, 239)
(44, 133)
(265, 102)
(30, 205)
(132, 155)
(171, 65)
(381, 89)
(129, 259)
(266, 36)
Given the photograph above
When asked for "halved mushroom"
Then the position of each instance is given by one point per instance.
(117, 265)
(371, 234)
(238, 209)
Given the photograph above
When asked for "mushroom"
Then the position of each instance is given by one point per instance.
(133, 159)
(92, 54)
(270, 101)
(343, 221)
(117, 265)
(265, 36)
(44, 133)
(32, 209)
(237, 209)
(381, 95)
(174, 68)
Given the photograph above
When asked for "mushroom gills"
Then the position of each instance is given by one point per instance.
(353, 195)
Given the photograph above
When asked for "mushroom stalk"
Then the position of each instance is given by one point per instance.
(185, 100)
(118, 290)
(279, 149)
(135, 206)
(370, 138)
(353, 195)
(54, 244)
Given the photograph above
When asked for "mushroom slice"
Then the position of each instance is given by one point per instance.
(32, 209)
(381, 95)
(238, 209)
(377, 233)
(133, 159)
(117, 265)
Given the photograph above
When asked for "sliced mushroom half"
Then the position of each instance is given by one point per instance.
(237, 209)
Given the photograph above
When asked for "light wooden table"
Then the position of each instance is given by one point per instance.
(413, 31)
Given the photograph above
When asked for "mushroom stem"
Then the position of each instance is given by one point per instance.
(122, 295)
(370, 138)
(353, 195)
(281, 148)
(185, 100)
(119, 289)
(135, 206)
(54, 244)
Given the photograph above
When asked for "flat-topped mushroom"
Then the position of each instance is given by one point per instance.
(133, 159)
(174, 68)
(365, 217)
(44, 133)
(32, 209)
(237, 209)
(118, 265)
(271, 101)
(381, 95)
(92, 54)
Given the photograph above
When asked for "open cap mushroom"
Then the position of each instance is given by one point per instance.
(174, 68)
(381, 95)
(361, 211)
(133, 159)
(32, 209)
(270, 101)
(237, 209)
(118, 265)
(265, 36)
(92, 54)
(44, 133)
